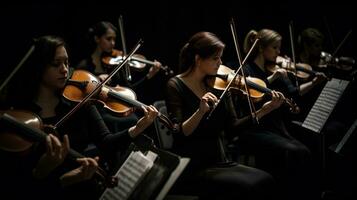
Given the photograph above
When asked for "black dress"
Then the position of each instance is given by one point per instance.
(276, 151)
(204, 147)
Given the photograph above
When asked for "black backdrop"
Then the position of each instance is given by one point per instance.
(166, 25)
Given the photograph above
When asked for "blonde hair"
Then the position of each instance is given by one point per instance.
(266, 38)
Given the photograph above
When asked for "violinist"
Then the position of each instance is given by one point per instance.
(275, 149)
(103, 34)
(294, 80)
(40, 90)
(311, 43)
(310, 47)
(29, 174)
(188, 100)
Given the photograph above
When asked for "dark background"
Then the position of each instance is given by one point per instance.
(166, 25)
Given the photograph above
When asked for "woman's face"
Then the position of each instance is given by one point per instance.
(210, 65)
(106, 42)
(56, 73)
(314, 50)
(272, 51)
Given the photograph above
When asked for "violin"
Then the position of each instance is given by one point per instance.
(257, 87)
(119, 100)
(22, 128)
(12, 142)
(83, 82)
(343, 63)
(303, 70)
(137, 62)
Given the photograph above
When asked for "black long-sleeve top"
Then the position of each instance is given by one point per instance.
(202, 145)
(274, 120)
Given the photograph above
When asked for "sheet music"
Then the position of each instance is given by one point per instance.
(136, 166)
(325, 104)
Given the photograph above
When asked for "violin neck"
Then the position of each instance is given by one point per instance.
(299, 68)
(125, 99)
(138, 104)
(142, 60)
(31, 133)
(24, 130)
(258, 87)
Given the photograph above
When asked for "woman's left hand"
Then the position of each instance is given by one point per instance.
(150, 113)
(319, 78)
(55, 154)
(86, 170)
(154, 69)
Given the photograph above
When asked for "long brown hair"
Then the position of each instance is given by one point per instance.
(204, 44)
(25, 85)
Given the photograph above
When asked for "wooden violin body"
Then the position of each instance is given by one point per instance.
(121, 101)
(83, 82)
(302, 71)
(12, 142)
(257, 87)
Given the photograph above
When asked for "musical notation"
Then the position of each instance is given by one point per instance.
(325, 104)
(134, 169)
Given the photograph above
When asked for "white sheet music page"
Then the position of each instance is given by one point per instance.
(325, 104)
(134, 169)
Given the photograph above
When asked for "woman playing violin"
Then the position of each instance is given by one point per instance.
(310, 46)
(189, 100)
(40, 91)
(269, 139)
(311, 43)
(29, 174)
(104, 35)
